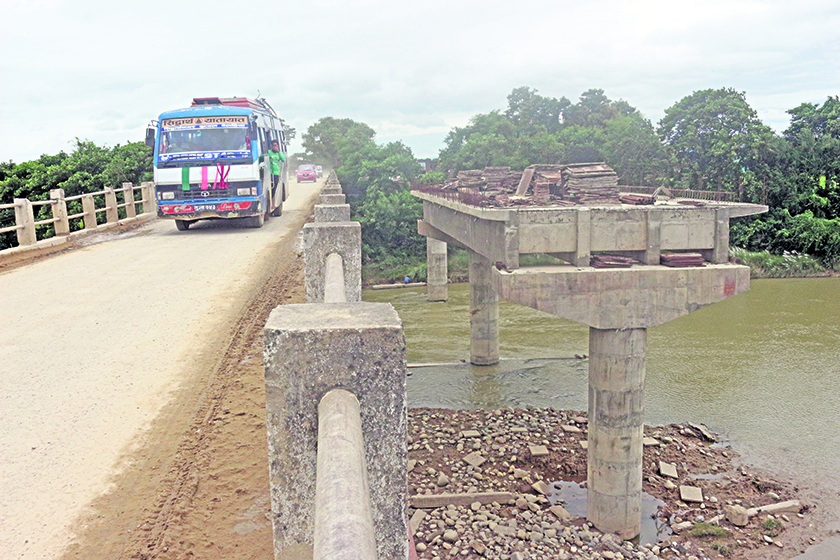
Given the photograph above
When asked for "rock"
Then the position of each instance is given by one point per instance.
(411, 464)
(790, 506)
(420, 547)
(679, 527)
(474, 459)
(443, 480)
(691, 494)
(541, 487)
(560, 512)
(737, 515)
(571, 429)
(538, 450)
(668, 469)
(649, 441)
(475, 506)
(450, 536)
(584, 443)
(470, 434)
(478, 547)
(669, 485)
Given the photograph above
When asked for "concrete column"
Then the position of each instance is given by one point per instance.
(343, 520)
(89, 209)
(437, 270)
(484, 313)
(616, 410)
(584, 237)
(320, 239)
(720, 253)
(148, 190)
(654, 237)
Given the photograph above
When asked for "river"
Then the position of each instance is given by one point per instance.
(761, 369)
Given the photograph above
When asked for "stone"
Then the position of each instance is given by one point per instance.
(669, 485)
(541, 487)
(560, 512)
(691, 494)
(474, 459)
(679, 527)
(737, 515)
(450, 536)
(538, 450)
(649, 441)
(478, 547)
(584, 443)
(571, 429)
(470, 434)
(411, 464)
(416, 518)
(668, 469)
(443, 480)
(790, 506)
(420, 547)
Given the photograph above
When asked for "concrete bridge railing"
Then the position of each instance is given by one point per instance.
(108, 201)
(336, 406)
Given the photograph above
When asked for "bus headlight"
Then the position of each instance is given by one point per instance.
(243, 192)
(167, 195)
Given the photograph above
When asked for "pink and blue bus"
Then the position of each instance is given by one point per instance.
(210, 162)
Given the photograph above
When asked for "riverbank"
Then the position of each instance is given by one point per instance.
(707, 505)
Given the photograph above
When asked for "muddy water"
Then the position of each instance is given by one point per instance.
(762, 368)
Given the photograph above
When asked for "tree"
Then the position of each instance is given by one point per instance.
(330, 140)
(715, 138)
(531, 113)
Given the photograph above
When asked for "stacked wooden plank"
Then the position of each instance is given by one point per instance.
(494, 176)
(611, 261)
(470, 179)
(636, 199)
(681, 260)
(591, 183)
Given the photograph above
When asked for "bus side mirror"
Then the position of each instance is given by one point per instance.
(150, 137)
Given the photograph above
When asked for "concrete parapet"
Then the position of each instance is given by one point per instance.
(309, 351)
(332, 199)
(334, 291)
(637, 297)
(322, 239)
(343, 519)
(332, 212)
(334, 188)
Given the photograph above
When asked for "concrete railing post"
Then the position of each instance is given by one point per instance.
(59, 212)
(25, 220)
(89, 210)
(111, 211)
(320, 239)
(484, 313)
(309, 351)
(343, 518)
(148, 190)
(130, 210)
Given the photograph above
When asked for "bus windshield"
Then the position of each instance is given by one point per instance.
(204, 140)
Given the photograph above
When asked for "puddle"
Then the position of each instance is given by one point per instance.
(572, 496)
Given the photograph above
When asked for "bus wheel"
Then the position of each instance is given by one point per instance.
(255, 221)
(182, 225)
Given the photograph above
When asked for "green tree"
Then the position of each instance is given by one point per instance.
(330, 140)
(531, 113)
(715, 138)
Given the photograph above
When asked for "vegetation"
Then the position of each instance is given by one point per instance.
(701, 530)
(88, 168)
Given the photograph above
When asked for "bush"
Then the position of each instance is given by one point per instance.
(763, 264)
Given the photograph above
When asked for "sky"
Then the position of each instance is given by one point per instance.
(101, 70)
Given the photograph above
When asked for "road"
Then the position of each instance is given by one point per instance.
(96, 342)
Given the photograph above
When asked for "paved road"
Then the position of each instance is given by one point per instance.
(94, 343)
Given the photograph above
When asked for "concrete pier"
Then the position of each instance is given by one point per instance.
(618, 304)
(437, 275)
(616, 425)
(484, 313)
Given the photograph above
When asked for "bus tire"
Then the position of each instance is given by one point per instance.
(255, 221)
(278, 210)
(182, 225)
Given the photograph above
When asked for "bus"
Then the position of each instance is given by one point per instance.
(210, 161)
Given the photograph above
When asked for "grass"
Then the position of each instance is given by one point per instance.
(706, 530)
(786, 265)
(772, 527)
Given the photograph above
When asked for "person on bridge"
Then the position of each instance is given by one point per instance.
(275, 158)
